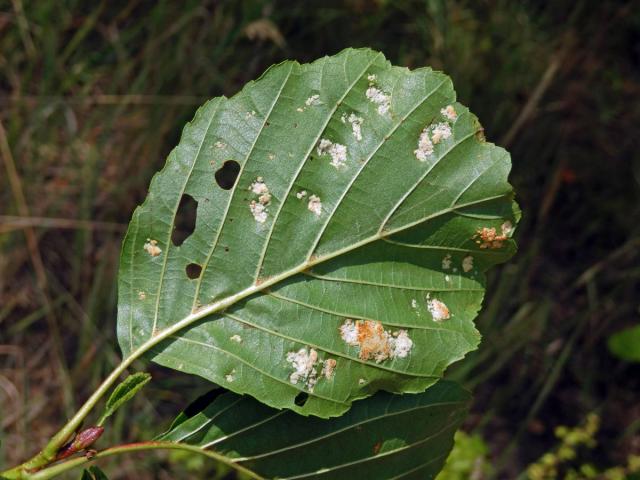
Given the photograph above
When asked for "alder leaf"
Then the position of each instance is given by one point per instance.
(384, 437)
(319, 236)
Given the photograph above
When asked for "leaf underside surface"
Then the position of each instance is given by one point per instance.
(385, 437)
(348, 255)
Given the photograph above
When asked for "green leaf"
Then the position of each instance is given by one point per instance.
(93, 473)
(124, 392)
(626, 344)
(312, 261)
(384, 437)
(468, 458)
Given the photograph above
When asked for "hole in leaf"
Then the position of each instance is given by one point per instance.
(227, 175)
(193, 270)
(185, 222)
(226, 249)
(301, 399)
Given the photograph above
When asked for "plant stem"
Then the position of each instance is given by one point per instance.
(48, 453)
(56, 470)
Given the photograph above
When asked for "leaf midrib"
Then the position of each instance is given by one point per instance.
(236, 297)
(202, 312)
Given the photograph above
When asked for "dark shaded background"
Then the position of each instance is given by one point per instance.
(93, 96)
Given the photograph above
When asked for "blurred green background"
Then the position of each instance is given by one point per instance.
(94, 94)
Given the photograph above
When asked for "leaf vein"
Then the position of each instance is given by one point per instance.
(386, 414)
(245, 362)
(205, 265)
(421, 179)
(360, 317)
(174, 209)
(385, 138)
(304, 162)
(381, 455)
(325, 349)
(388, 285)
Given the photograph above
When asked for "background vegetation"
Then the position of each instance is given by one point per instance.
(93, 96)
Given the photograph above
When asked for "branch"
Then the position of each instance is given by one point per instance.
(56, 470)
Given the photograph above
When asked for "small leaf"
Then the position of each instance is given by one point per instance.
(93, 473)
(346, 213)
(381, 438)
(124, 392)
(626, 344)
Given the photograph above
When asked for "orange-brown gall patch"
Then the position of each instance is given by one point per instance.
(152, 248)
(489, 238)
(374, 341)
(328, 368)
(449, 112)
(439, 311)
